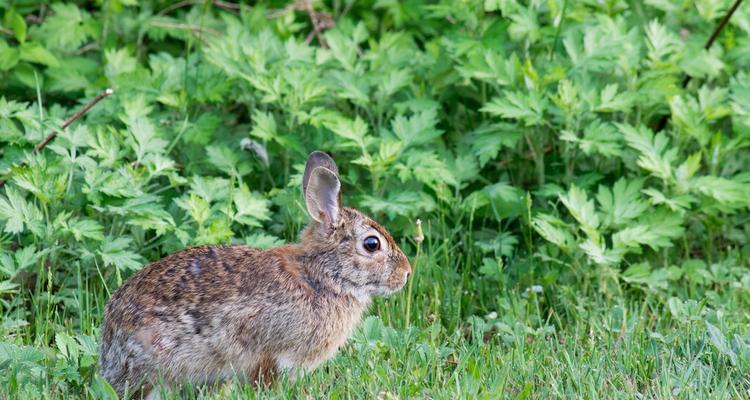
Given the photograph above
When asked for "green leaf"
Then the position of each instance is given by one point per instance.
(223, 158)
(264, 127)
(611, 101)
(696, 271)
(145, 140)
(702, 63)
(115, 252)
(487, 140)
(656, 230)
(528, 107)
(9, 56)
(355, 131)
(262, 240)
(67, 28)
(12, 210)
(623, 203)
(252, 209)
(119, 62)
(598, 137)
(86, 228)
(203, 129)
(731, 193)
(661, 42)
(582, 209)
(404, 203)
(655, 153)
(18, 24)
(599, 254)
(525, 25)
(719, 341)
(197, 207)
(418, 129)
(679, 203)
(34, 52)
(553, 230)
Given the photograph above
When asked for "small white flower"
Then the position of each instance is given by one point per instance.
(534, 289)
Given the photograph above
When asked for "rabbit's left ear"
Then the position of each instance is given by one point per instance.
(322, 189)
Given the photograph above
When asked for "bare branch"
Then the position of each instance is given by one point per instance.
(714, 35)
(218, 3)
(188, 27)
(73, 118)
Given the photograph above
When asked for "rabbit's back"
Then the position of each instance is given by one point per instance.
(179, 310)
(211, 313)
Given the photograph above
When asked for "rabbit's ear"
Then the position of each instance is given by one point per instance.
(317, 159)
(323, 196)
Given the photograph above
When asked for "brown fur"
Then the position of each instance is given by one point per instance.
(210, 313)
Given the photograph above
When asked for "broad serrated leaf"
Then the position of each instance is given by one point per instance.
(223, 158)
(528, 107)
(553, 230)
(655, 153)
(582, 209)
(67, 28)
(622, 203)
(116, 252)
(262, 240)
(252, 209)
(418, 129)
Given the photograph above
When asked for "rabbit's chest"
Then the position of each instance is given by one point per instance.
(325, 335)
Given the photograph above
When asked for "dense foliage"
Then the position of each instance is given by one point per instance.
(527, 136)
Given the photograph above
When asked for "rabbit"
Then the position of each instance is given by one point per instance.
(211, 313)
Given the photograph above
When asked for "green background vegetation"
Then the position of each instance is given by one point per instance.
(573, 247)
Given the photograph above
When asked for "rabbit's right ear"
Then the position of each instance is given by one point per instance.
(322, 189)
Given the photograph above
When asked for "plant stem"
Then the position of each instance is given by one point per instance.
(411, 283)
(418, 238)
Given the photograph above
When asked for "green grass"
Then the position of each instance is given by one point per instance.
(573, 248)
(516, 343)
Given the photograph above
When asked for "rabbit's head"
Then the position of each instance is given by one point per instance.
(357, 253)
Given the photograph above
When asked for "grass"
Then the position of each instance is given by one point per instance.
(667, 319)
(467, 338)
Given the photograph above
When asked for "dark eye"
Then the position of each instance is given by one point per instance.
(371, 244)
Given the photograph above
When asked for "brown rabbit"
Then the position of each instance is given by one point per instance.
(215, 312)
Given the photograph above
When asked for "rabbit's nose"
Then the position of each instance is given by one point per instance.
(408, 274)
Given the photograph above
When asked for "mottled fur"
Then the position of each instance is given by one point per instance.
(211, 313)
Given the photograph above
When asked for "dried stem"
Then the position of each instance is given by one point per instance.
(714, 35)
(317, 28)
(67, 123)
(218, 3)
(188, 27)
(319, 20)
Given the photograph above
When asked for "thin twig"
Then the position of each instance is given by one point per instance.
(218, 3)
(85, 48)
(714, 35)
(297, 5)
(67, 123)
(319, 20)
(189, 27)
(315, 23)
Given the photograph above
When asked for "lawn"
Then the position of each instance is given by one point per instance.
(579, 168)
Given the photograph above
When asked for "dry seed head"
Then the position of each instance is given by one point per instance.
(419, 238)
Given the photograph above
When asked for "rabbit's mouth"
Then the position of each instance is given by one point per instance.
(397, 281)
(385, 291)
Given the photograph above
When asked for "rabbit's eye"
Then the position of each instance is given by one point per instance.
(371, 244)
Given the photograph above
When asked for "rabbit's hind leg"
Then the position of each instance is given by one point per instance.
(264, 371)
